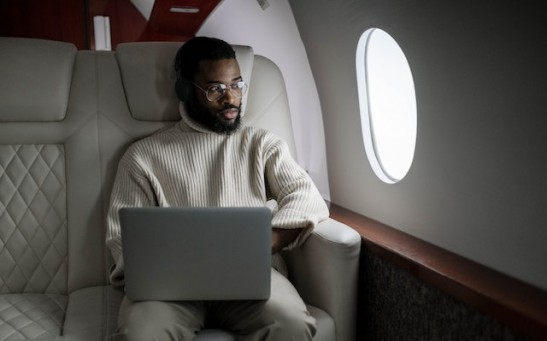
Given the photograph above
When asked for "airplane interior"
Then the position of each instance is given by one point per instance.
(422, 125)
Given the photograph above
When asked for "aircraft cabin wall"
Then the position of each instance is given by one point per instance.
(477, 184)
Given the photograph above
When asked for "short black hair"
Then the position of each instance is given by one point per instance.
(197, 49)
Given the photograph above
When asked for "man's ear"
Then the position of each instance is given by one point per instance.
(184, 89)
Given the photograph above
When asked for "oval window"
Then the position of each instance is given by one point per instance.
(387, 102)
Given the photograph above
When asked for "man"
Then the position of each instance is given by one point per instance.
(210, 158)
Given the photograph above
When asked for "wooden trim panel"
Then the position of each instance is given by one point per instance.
(517, 304)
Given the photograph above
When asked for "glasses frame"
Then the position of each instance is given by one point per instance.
(240, 85)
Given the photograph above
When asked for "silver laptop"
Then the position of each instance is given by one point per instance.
(178, 254)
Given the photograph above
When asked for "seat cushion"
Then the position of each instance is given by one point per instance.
(92, 313)
(31, 316)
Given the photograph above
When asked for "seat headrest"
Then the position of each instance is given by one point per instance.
(35, 78)
(148, 76)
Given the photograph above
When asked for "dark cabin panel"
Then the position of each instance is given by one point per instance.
(62, 20)
(72, 21)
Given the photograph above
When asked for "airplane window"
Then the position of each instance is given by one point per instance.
(387, 102)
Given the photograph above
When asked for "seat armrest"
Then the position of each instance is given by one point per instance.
(325, 269)
(92, 313)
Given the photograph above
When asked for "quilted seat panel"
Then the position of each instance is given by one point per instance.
(31, 316)
(33, 224)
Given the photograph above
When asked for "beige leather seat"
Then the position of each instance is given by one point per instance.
(66, 116)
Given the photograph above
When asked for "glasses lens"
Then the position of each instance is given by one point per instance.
(214, 92)
(240, 88)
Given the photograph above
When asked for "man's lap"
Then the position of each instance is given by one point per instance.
(283, 312)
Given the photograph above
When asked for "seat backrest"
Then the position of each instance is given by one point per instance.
(35, 83)
(148, 76)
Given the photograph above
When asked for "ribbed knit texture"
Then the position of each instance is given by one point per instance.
(189, 165)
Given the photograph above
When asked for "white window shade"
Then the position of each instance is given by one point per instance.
(387, 102)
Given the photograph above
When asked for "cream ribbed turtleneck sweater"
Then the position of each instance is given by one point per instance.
(189, 165)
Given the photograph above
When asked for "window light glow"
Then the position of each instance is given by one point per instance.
(387, 102)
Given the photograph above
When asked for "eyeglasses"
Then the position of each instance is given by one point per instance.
(216, 91)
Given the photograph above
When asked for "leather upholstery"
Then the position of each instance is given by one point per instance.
(92, 313)
(151, 95)
(31, 316)
(34, 229)
(324, 271)
(60, 141)
(40, 69)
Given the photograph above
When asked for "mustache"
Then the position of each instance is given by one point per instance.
(230, 106)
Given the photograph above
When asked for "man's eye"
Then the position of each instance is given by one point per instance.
(216, 88)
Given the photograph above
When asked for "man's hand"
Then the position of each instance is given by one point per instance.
(283, 237)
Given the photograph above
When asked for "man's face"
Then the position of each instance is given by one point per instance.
(222, 115)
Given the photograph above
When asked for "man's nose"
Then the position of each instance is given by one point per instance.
(229, 97)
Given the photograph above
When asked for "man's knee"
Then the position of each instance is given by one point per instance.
(294, 325)
(158, 321)
(284, 323)
(147, 332)
(292, 321)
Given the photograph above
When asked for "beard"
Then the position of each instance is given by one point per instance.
(212, 119)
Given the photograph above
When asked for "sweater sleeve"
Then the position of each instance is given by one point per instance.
(300, 205)
(131, 189)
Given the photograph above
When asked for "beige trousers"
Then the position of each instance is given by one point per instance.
(283, 317)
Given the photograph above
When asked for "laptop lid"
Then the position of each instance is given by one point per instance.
(213, 253)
